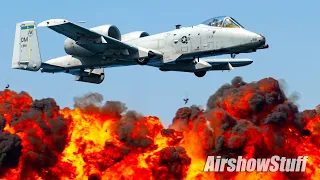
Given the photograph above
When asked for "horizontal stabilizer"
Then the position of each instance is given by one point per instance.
(51, 68)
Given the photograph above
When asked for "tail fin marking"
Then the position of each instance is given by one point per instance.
(26, 51)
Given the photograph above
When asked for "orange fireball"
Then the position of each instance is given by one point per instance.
(38, 140)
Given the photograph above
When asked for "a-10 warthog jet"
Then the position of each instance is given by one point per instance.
(184, 49)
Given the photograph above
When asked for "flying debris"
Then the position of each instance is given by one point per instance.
(186, 100)
(7, 87)
(105, 47)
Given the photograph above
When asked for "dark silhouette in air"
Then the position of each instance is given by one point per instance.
(186, 100)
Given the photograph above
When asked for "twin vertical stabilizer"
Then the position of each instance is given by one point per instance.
(26, 52)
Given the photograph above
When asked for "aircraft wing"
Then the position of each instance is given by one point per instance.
(227, 64)
(85, 37)
(51, 67)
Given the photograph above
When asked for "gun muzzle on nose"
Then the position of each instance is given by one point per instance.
(262, 39)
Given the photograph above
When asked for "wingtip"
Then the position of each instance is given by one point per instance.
(52, 22)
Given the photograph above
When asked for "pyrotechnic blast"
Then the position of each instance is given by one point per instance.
(105, 140)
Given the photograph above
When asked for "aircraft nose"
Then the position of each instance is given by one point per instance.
(262, 39)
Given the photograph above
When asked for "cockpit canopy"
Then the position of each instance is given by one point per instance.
(223, 21)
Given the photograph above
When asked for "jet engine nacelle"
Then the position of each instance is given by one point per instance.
(108, 30)
(72, 48)
(95, 76)
(134, 35)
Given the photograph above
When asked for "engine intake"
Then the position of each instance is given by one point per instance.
(108, 30)
(72, 48)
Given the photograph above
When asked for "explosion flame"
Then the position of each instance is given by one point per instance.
(38, 140)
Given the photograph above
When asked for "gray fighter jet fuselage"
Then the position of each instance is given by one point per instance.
(184, 49)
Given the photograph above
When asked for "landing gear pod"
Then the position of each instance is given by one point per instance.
(95, 76)
(144, 56)
(200, 73)
(142, 61)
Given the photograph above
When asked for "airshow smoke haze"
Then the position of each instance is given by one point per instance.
(105, 140)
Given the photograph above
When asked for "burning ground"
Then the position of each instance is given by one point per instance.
(105, 140)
